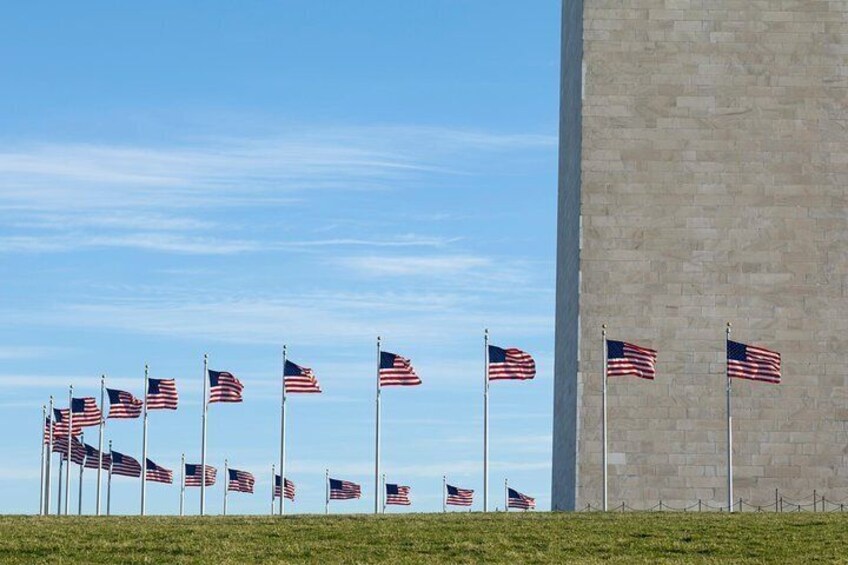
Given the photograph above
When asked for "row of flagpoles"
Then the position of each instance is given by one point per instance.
(62, 425)
(193, 475)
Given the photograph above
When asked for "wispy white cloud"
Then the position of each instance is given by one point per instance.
(414, 266)
(58, 197)
(29, 352)
(194, 245)
(419, 317)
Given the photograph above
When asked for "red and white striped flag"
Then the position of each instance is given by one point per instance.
(123, 404)
(61, 420)
(459, 496)
(162, 394)
(752, 363)
(157, 474)
(300, 379)
(86, 412)
(510, 364)
(240, 481)
(289, 488)
(396, 371)
(192, 475)
(224, 387)
(521, 501)
(625, 359)
(397, 495)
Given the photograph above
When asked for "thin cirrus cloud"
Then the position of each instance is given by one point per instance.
(224, 172)
(422, 318)
(188, 244)
(64, 197)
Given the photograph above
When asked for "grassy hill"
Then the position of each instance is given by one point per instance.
(449, 538)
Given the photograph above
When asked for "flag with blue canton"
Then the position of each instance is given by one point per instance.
(752, 363)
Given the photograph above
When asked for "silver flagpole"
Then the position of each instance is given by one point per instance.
(59, 505)
(144, 441)
(604, 420)
(377, 436)
(41, 440)
(49, 470)
(506, 495)
(486, 420)
(109, 483)
(100, 442)
(226, 486)
(283, 438)
(327, 492)
(729, 428)
(70, 438)
(203, 440)
(274, 487)
(82, 466)
(182, 485)
(444, 493)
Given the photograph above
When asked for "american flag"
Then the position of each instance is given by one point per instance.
(397, 495)
(125, 465)
(122, 404)
(299, 379)
(459, 496)
(517, 500)
(627, 359)
(192, 475)
(156, 474)
(344, 490)
(752, 363)
(224, 387)
(162, 394)
(86, 412)
(240, 481)
(289, 488)
(92, 456)
(510, 364)
(60, 446)
(396, 370)
(61, 418)
(47, 423)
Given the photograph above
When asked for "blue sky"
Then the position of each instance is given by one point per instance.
(177, 180)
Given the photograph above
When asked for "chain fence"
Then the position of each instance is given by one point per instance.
(811, 503)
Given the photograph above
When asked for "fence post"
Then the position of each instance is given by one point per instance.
(781, 504)
(622, 507)
(740, 505)
(660, 505)
(815, 501)
(699, 505)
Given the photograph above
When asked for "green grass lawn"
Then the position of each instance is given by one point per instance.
(448, 538)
